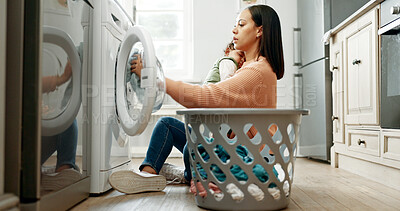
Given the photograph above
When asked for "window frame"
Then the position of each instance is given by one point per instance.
(187, 40)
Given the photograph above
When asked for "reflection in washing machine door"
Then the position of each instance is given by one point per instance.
(61, 81)
(136, 98)
(55, 98)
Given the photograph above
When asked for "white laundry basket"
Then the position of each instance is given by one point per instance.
(251, 172)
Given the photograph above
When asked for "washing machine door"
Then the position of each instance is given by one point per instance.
(61, 81)
(136, 98)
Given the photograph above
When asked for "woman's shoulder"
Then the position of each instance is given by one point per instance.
(260, 65)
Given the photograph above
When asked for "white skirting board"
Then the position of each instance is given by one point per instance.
(134, 152)
(140, 152)
(382, 174)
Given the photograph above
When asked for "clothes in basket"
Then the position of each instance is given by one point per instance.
(239, 174)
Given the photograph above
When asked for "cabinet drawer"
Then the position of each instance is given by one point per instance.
(363, 141)
(391, 145)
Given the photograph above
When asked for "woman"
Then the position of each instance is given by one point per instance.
(257, 33)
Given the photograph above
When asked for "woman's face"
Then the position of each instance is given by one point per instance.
(245, 32)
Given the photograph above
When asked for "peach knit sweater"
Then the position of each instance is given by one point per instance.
(252, 86)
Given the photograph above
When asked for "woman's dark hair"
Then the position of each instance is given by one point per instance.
(271, 39)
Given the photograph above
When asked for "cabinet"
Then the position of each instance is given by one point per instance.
(336, 65)
(363, 141)
(390, 145)
(360, 145)
(361, 75)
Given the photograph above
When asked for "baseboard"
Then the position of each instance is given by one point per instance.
(140, 152)
(379, 173)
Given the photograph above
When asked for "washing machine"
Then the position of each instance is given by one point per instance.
(119, 104)
(54, 60)
(63, 48)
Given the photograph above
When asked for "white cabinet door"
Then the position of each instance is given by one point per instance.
(367, 75)
(337, 89)
(352, 110)
(361, 75)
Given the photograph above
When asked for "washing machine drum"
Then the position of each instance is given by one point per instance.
(61, 81)
(136, 98)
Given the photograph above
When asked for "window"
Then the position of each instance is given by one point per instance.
(169, 23)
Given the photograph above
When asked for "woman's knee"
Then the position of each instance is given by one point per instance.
(166, 120)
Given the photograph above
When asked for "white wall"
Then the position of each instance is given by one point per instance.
(213, 22)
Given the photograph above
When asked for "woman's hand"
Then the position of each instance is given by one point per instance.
(50, 83)
(137, 65)
(237, 55)
(66, 75)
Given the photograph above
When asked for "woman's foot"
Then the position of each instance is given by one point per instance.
(52, 180)
(173, 174)
(193, 189)
(128, 181)
(202, 191)
(63, 167)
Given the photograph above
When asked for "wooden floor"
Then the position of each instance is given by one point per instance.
(316, 186)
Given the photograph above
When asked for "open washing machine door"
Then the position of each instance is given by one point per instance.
(136, 98)
(61, 81)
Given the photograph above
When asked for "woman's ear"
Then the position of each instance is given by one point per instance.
(259, 32)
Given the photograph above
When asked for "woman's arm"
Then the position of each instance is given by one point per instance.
(248, 88)
(50, 83)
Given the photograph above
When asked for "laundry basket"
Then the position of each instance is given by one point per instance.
(248, 154)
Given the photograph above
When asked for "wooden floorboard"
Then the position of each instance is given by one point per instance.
(316, 186)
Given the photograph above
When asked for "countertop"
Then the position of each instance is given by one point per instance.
(364, 9)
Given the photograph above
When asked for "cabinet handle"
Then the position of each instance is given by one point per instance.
(334, 68)
(334, 118)
(361, 142)
(395, 10)
(356, 61)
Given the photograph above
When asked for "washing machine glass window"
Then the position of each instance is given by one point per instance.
(56, 81)
(136, 98)
(61, 81)
(135, 94)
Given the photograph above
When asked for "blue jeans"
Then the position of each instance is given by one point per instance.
(64, 143)
(168, 132)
